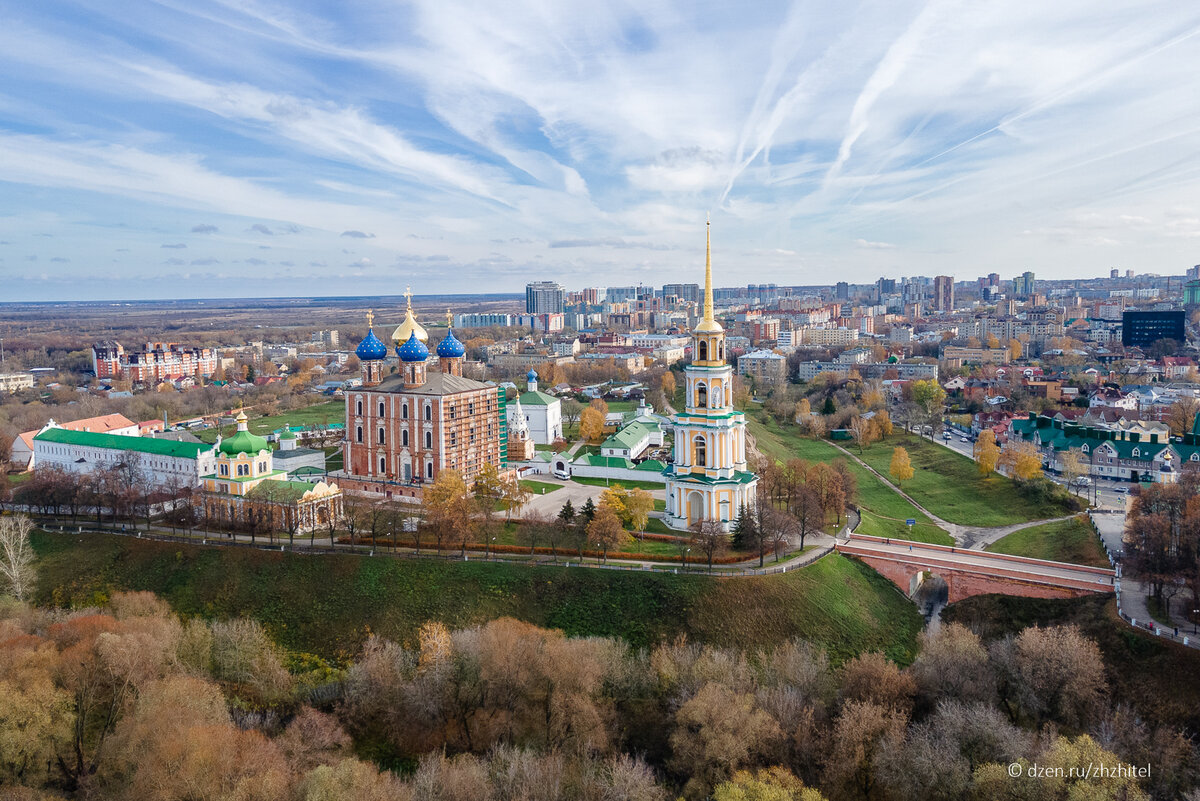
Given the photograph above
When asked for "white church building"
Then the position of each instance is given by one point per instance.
(542, 413)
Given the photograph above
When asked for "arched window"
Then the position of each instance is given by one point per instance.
(428, 440)
(701, 452)
(360, 407)
(404, 411)
(380, 436)
(404, 439)
(429, 470)
(701, 395)
(382, 464)
(358, 434)
(381, 409)
(703, 350)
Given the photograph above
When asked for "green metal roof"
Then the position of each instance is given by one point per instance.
(628, 436)
(596, 460)
(537, 398)
(244, 442)
(157, 447)
(280, 490)
(651, 466)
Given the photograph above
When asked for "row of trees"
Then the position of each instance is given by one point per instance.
(1162, 540)
(129, 701)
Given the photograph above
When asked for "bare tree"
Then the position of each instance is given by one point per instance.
(709, 538)
(16, 556)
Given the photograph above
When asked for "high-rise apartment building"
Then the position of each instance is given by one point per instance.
(842, 291)
(544, 297)
(688, 293)
(943, 293)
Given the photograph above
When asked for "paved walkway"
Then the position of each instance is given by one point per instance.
(1132, 597)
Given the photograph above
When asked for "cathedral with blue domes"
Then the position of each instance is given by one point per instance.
(403, 428)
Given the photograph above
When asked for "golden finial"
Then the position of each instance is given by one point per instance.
(408, 296)
(449, 319)
(370, 317)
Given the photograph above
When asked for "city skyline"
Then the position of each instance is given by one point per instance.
(214, 149)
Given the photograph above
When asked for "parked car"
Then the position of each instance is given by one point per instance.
(562, 475)
(1121, 489)
(1082, 481)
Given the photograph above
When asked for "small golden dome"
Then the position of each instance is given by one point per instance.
(708, 327)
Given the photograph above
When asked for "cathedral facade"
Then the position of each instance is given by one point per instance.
(708, 479)
(403, 429)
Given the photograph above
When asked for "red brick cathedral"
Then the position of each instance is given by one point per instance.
(403, 429)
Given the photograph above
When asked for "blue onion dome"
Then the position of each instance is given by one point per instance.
(371, 349)
(450, 347)
(413, 350)
(531, 375)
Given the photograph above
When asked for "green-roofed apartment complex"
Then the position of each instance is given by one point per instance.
(1117, 454)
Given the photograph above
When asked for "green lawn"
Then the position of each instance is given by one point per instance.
(875, 526)
(609, 482)
(1063, 541)
(539, 487)
(328, 605)
(323, 413)
(783, 443)
(948, 484)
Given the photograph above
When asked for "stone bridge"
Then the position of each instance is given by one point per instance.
(966, 573)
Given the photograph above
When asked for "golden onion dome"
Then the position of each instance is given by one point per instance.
(407, 328)
(410, 325)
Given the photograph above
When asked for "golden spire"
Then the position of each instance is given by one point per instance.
(408, 296)
(449, 319)
(708, 301)
(708, 323)
(370, 317)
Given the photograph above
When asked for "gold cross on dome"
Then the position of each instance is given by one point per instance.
(370, 317)
(408, 295)
(449, 319)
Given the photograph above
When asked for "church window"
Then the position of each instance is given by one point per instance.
(701, 395)
(1137, 452)
(428, 412)
(381, 436)
(381, 411)
(359, 408)
(703, 348)
(358, 434)
(428, 439)
(701, 448)
(404, 439)
(224, 469)
(404, 411)
(382, 464)
(429, 470)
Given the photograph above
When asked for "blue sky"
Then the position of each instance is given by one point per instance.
(189, 148)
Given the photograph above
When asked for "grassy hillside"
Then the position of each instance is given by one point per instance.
(1063, 541)
(948, 484)
(785, 442)
(1159, 679)
(328, 604)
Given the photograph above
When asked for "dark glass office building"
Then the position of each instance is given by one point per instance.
(1143, 328)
